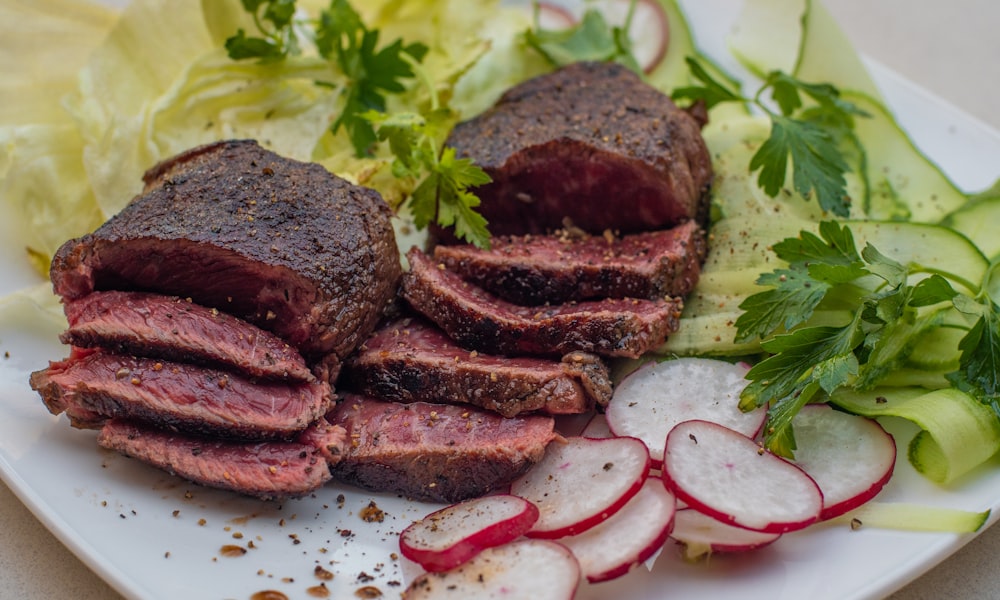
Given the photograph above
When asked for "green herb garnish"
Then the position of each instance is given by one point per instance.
(807, 137)
(342, 38)
(883, 307)
(443, 195)
(593, 39)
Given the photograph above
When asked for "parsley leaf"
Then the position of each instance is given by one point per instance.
(809, 138)
(273, 19)
(341, 36)
(808, 360)
(593, 39)
(443, 195)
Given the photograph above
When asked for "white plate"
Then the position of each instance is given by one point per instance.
(153, 536)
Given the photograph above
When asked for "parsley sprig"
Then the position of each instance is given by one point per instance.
(810, 138)
(885, 310)
(343, 39)
(443, 194)
(592, 39)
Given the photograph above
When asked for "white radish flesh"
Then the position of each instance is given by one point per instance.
(451, 536)
(553, 17)
(727, 476)
(701, 534)
(851, 458)
(650, 401)
(597, 427)
(649, 31)
(629, 537)
(536, 569)
(582, 482)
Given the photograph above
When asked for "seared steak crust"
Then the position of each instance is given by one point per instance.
(280, 243)
(95, 386)
(410, 360)
(574, 143)
(266, 470)
(478, 320)
(156, 326)
(539, 269)
(435, 452)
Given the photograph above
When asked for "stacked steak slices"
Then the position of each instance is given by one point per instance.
(209, 318)
(599, 185)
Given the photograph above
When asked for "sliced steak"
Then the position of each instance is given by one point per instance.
(591, 143)
(435, 452)
(283, 244)
(410, 360)
(479, 320)
(179, 396)
(156, 326)
(539, 269)
(266, 470)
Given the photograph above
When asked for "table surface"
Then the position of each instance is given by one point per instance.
(950, 48)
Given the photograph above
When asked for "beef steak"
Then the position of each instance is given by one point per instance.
(410, 360)
(539, 269)
(266, 470)
(479, 320)
(435, 452)
(591, 143)
(156, 326)
(95, 386)
(280, 243)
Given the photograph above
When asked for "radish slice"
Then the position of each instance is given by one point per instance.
(649, 33)
(597, 427)
(650, 401)
(578, 484)
(850, 457)
(537, 569)
(727, 476)
(629, 537)
(451, 536)
(554, 17)
(701, 534)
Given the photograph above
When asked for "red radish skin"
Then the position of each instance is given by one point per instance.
(850, 457)
(453, 535)
(628, 538)
(554, 17)
(649, 33)
(701, 534)
(582, 482)
(651, 400)
(536, 569)
(727, 476)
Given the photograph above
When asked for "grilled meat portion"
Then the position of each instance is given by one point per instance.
(282, 244)
(479, 320)
(167, 327)
(266, 470)
(95, 386)
(590, 143)
(435, 452)
(539, 269)
(411, 360)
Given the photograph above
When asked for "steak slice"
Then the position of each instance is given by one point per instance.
(576, 142)
(178, 396)
(435, 452)
(280, 243)
(266, 470)
(410, 360)
(539, 269)
(477, 319)
(156, 326)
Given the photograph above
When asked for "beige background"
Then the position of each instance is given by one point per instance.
(951, 48)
